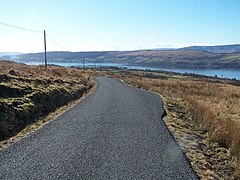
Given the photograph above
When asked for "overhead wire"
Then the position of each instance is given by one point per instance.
(55, 42)
(17, 27)
(30, 30)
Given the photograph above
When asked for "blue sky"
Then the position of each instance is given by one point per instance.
(90, 25)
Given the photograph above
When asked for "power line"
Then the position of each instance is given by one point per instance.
(16, 27)
(55, 42)
(30, 30)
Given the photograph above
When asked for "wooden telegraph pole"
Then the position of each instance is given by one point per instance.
(45, 48)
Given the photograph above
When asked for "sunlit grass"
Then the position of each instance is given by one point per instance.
(213, 107)
(30, 92)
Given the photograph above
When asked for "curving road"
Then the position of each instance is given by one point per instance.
(115, 133)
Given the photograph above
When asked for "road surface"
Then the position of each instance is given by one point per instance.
(115, 133)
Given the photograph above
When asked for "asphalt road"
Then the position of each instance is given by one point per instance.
(115, 133)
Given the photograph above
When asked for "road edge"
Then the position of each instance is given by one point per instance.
(165, 113)
(41, 122)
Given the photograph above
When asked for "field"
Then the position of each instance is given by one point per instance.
(204, 112)
(29, 93)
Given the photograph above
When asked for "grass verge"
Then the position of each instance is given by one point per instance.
(29, 93)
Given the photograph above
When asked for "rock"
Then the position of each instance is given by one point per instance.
(12, 72)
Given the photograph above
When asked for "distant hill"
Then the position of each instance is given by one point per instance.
(9, 53)
(178, 58)
(216, 49)
(60, 56)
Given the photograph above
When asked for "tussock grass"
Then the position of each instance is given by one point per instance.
(28, 93)
(213, 107)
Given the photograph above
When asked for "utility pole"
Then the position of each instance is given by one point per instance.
(45, 48)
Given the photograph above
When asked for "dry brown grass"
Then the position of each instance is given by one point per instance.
(28, 93)
(22, 70)
(213, 107)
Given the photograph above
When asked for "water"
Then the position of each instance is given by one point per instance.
(222, 73)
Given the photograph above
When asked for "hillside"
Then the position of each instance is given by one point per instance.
(216, 49)
(181, 58)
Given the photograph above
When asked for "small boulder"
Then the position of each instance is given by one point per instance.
(12, 72)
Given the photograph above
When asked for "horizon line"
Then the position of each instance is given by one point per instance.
(167, 47)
